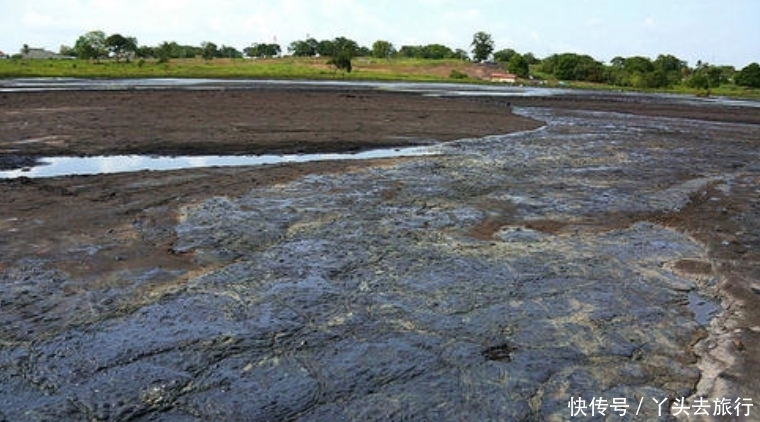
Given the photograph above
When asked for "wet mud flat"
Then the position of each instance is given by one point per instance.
(234, 121)
(605, 254)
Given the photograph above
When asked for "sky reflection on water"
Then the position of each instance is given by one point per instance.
(65, 166)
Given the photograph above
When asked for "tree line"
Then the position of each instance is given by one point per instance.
(665, 71)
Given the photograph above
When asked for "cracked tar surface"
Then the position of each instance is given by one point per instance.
(604, 255)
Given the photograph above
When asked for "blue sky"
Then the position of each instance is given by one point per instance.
(719, 32)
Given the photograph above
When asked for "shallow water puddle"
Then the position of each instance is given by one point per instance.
(67, 166)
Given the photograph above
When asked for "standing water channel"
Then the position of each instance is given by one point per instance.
(442, 288)
(68, 166)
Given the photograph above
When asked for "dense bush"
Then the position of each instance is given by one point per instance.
(749, 76)
(341, 61)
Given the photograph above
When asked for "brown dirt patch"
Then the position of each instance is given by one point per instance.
(691, 266)
(237, 121)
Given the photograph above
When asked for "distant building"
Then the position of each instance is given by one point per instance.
(41, 53)
(508, 78)
(3, 55)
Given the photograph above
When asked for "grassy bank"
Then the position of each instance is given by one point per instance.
(281, 68)
(304, 68)
(726, 90)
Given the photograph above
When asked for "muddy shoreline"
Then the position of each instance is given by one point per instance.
(184, 122)
(86, 258)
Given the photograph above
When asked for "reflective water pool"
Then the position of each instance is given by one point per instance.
(64, 166)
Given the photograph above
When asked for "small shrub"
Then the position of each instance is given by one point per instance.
(341, 61)
(455, 74)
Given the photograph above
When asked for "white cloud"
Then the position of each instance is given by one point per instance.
(34, 19)
(593, 22)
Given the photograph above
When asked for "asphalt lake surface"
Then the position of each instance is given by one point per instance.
(386, 294)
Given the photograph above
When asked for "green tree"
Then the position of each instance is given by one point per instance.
(274, 50)
(574, 67)
(671, 67)
(706, 76)
(145, 51)
(519, 66)
(306, 48)
(410, 51)
(91, 45)
(531, 58)
(263, 50)
(432, 51)
(698, 80)
(617, 62)
(615, 73)
(749, 76)
(341, 50)
(363, 52)
(190, 51)
(65, 50)
(230, 52)
(345, 46)
(669, 63)
(326, 48)
(121, 46)
(589, 69)
(727, 73)
(566, 65)
(638, 64)
(461, 54)
(715, 75)
(163, 52)
(210, 50)
(437, 52)
(639, 72)
(504, 56)
(186, 51)
(548, 64)
(383, 49)
(482, 46)
(171, 50)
